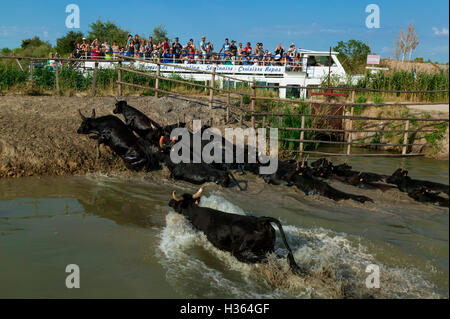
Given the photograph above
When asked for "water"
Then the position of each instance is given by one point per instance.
(129, 244)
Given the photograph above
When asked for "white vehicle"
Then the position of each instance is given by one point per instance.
(309, 70)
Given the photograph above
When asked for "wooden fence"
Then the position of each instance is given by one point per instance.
(259, 119)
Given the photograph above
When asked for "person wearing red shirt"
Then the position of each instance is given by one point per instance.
(95, 52)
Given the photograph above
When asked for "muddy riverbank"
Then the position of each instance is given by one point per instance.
(38, 134)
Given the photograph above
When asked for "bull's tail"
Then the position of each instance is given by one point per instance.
(296, 269)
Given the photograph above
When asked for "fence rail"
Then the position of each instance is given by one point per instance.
(249, 111)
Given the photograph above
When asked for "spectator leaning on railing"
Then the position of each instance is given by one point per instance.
(173, 52)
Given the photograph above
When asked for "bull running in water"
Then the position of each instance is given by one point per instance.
(248, 238)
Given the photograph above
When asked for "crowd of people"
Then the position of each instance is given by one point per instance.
(230, 52)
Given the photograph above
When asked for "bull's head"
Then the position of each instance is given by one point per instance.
(119, 107)
(397, 176)
(178, 203)
(88, 125)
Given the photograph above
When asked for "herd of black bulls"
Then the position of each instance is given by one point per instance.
(248, 238)
(150, 150)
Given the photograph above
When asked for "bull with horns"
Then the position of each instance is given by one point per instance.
(112, 132)
(248, 238)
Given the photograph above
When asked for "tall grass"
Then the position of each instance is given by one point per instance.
(70, 80)
(293, 120)
(405, 81)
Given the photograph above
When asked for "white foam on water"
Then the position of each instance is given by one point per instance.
(336, 265)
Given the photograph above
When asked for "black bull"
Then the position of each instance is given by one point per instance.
(248, 238)
(111, 131)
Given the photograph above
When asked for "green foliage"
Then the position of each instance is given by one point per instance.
(405, 81)
(33, 47)
(44, 78)
(6, 51)
(11, 76)
(67, 43)
(159, 33)
(108, 31)
(71, 79)
(361, 99)
(434, 137)
(376, 138)
(295, 121)
(378, 100)
(388, 135)
(353, 55)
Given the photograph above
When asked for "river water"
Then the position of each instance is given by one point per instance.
(128, 243)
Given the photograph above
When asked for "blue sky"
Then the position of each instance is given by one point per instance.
(309, 24)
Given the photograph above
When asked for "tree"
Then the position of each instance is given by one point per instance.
(353, 55)
(108, 31)
(67, 43)
(412, 40)
(34, 47)
(397, 47)
(159, 33)
(407, 43)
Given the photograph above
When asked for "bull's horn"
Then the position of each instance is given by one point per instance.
(93, 112)
(81, 115)
(175, 197)
(198, 194)
(161, 141)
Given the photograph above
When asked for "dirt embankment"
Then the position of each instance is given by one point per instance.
(426, 67)
(38, 134)
(433, 144)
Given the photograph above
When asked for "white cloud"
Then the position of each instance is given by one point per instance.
(436, 30)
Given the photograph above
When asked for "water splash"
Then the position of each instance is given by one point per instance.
(335, 262)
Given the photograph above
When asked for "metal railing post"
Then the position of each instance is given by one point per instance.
(158, 71)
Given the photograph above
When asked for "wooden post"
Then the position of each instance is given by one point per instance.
(350, 134)
(229, 93)
(94, 80)
(405, 138)
(302, 135)
(119, 77)
(264, 122)
(211, 90)
(158, 71)
(31, 71)
(252, 109)
(20, 65)
(228, 100)
(57, 78)
(242, 95)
